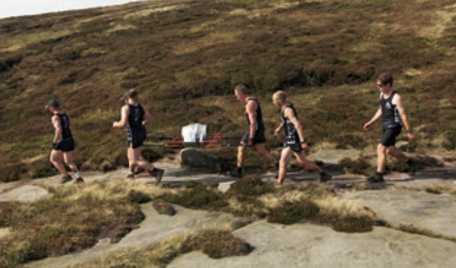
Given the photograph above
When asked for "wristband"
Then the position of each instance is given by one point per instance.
(304, 141)
(409, 131)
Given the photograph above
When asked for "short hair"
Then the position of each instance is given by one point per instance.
(280, 95)
(386, 78)
(242, 89)
(132, 94)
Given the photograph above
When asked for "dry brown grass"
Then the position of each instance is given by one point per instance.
(410, 228)
(71, 219)
(215, 243)
(309, 48)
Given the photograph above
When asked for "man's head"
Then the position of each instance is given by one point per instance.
(279, 98)
(53, 105)
(385, 82)
(241, 92)
(132, 94)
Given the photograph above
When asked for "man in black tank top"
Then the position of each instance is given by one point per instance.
(254, 137)
(392, 113)
(295, 141)
(134, 117)
(63, 143)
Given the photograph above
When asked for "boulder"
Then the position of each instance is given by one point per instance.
(197, 159)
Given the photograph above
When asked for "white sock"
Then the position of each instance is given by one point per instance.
(77, 175)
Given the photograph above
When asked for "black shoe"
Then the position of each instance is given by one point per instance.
(130, 176)
(79, 180)
(414, 165)
(324, 177)
(158, 174)
(66, 179)
(235, 173)
(386, 171)
(377, 178)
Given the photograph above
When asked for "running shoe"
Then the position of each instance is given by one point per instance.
(158, 174)
(66, 179)
(324, 177)
(376, 178)
(414, 165)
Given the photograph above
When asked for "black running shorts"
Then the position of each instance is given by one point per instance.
(257, 139)
(137, 140)
(295, 147)
(389, 136)
(65, 145)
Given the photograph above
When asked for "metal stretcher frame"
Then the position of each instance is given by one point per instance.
(177, 142)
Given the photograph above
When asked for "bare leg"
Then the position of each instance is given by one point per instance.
(241, 155)
(302, 159)
(381, 158)
(131, 160)
(69, 160)
(56, 160)
(284, 159)
(396, 154)
(139, 160)
(263, 152)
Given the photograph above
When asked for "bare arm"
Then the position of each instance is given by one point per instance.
(149, 118)
(58, 128)
(397, 100)
(374, 119)
(251, 110)
(278, 129)
(124, 116)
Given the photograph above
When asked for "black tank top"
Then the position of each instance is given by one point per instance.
(135, 119)
(290, 129)
(64, 125)
(390, 114)
(258, 114)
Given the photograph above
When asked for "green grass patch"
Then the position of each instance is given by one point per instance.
(357, 166)
(290, 213)
(251, 186)
(198, 197)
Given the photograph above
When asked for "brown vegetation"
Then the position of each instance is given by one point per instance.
(325, 54)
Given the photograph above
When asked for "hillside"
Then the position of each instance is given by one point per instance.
(185, 57)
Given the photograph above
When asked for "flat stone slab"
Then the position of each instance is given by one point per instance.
(155, 228)
(430, 211)
(4, 232)
(5, 186)
(306, 245)
(25, 193)
(225, 186)
(333, 156)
